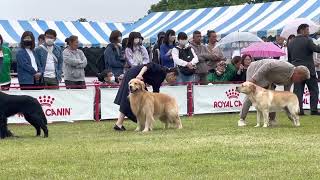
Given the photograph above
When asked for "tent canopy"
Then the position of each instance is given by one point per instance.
(90, 34)
(263, 19)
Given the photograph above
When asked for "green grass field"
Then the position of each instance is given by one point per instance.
(209, 147)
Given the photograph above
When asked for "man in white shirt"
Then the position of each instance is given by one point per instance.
(185, 58)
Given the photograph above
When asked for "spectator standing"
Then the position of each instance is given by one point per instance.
(203, 56)
(285, 48)
(214, 50)
(280, 43)
(73, 65)
(41, 39)
(6, 60)
(300, 52)
(169, 43)
(29, 67)
(185, 58)
(135, 53)
(156, 48)
(316, 57)
(51, 59)
(113, 55)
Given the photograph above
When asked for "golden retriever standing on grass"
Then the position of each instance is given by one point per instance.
(147, 106)
(266, 101)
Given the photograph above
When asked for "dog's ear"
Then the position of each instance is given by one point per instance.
(142, 86)
(252, 88)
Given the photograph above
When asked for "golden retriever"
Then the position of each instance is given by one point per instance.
(147, 106)
(266, 101)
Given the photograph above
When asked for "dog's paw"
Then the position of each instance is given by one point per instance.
(297, 124)
(137, 129)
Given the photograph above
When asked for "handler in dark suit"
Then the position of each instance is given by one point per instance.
(300, 52)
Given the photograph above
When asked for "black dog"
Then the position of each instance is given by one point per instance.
(26, 105)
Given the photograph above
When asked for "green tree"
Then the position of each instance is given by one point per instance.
(171, 5)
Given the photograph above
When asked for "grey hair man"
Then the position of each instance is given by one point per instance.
(270, 72)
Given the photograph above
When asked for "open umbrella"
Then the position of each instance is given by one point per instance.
(292, 26)
(264, 50)
(239, 37)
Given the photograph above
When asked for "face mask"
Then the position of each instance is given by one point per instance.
(183, 42)
(136, 41)
(27, 43)
(49, 42)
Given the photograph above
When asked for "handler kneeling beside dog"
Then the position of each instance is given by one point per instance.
(270, 72)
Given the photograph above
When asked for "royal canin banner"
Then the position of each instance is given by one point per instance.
(306, 98)
(217, 98)
(109, 110)
(61, 105)
(220, 98)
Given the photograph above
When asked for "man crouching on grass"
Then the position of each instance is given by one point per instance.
(270, 72)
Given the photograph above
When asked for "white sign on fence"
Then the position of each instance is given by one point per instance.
(217, 98)
(61, 105)
(221, 98)
(109, 110)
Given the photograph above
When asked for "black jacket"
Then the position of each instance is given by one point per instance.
(300, 52)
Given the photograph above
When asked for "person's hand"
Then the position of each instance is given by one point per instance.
(37, 76)
(140, 77)
(241, 67)
(190, 66)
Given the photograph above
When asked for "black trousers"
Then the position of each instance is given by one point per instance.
(313, 88)
(75, 84)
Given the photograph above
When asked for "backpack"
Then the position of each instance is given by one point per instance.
(186, 55)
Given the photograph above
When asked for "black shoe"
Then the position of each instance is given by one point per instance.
(315, 113)
(117, 128)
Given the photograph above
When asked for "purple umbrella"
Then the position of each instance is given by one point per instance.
(263, 50)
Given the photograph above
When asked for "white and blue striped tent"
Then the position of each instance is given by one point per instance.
(91, 34)
(263, 19)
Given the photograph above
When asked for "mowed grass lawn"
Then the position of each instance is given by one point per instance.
(209, 147)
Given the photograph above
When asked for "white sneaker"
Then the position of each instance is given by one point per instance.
(241, 123)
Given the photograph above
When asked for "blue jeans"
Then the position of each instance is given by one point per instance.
(183, 78)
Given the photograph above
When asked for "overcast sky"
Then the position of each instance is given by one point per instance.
(98, 10)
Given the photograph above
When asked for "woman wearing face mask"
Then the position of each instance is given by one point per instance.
(185, 58)
(5, 65)
(169, 43)
(73, 65)
(28, 65)
(135, 53)
(113, 55)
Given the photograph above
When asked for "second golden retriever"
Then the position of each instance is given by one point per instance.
(147, 106)
(266, 101)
